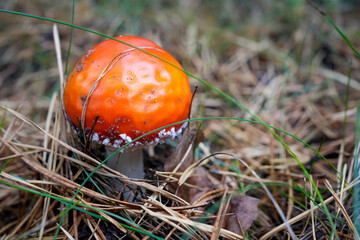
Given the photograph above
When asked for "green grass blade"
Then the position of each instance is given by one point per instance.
(71, 37)
(6, 163)
(3, 120)
(324, 14)
(342, 35)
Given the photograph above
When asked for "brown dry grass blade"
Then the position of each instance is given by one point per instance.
(220, 216)
(343, 210)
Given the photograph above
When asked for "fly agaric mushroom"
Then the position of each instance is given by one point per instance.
(117, 93)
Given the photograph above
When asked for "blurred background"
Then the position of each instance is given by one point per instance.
(224, 42)
(273, 57)
(280, 59)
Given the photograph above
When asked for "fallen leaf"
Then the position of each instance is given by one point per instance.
(241, 213)
(180, 160)
(177, 156)
(202, 183)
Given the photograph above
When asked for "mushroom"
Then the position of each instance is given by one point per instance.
(117, 93)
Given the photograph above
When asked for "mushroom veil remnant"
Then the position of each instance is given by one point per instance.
(117, 93)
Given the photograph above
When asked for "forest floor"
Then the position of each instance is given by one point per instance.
(273, 154)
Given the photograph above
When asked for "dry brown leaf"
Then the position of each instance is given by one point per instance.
(177, 156)
(198, 179)
(198, 176)
(241, 213)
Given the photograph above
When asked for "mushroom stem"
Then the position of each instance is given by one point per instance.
(129, 163)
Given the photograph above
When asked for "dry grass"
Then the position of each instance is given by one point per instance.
(282, 61)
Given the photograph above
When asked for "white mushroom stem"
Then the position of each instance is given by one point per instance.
(129, 163)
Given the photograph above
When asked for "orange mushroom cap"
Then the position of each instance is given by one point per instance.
(130, 91)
